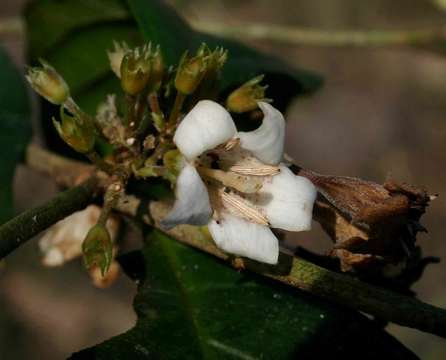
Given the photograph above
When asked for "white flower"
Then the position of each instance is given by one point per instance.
(235, 183)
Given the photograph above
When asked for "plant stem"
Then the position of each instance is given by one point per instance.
(339, 288)
(315, 37)
(298, 273)
(131, 104)
(175, 113)
(23, 227)
(13, 25)
(96, 159)
(154, 103)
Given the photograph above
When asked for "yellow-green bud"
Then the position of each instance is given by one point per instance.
(76, 132)
(173, 162)
(135, 70)
(157, 73)
(245, 98)
(208, 88)
(46, 81)
(217, 59)
(116, 55)
(97, 248)
(190, 72)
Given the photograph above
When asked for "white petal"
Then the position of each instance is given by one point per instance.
(240, 237)
(266, 143)
(192, 204)
(287, 200)
(207, 125)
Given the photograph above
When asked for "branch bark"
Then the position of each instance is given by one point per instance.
(314, 37)
(339, 288)
(31, 222)
(296, 272)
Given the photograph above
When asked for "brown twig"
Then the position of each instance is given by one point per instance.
(292, 35)
(296, 272)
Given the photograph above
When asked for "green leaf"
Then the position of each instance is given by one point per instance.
(15, 129)
(50, 22)
(160, 23)
(73, 35)
(191, 306)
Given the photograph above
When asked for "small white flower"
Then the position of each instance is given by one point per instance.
(235, 183)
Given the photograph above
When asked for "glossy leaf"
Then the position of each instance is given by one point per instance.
(74, 35)
(15, 129)
(154, 17)
(191, 306)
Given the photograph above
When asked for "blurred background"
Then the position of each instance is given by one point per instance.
(381, 113)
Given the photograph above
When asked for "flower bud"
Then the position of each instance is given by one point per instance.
(46, 81)
(209, 86)
(135, 70)
(190, 72)
(115, 57)
(157, 73)
(217, 59)
(98, 248)
(173, 162)
(75, 132)
(245, 98)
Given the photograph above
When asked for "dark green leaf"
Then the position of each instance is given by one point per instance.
(15, 129)
(74, 35)
(190, 306)
(51, 22)
(161, 24)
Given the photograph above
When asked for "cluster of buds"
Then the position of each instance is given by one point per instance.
(235, 182)
(141, 136)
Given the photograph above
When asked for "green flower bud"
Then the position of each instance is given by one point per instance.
(173, 162)
(98, 248)
(190, 72)
(217, 60)
(76, 132)
(158, 67)
(245, 98)
(47, 82)
(135, 70)
(209, 86)
(116, 55)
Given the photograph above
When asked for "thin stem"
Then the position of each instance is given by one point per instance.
(96, 159)
(111, 197)
(175, 113)
(292, 271)
(154, 103)
(140, 106)
(23, 227)
(315, 37)
(157, 114)
(74, 108)
(339, 288)
(131, 104)
(13, 26)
